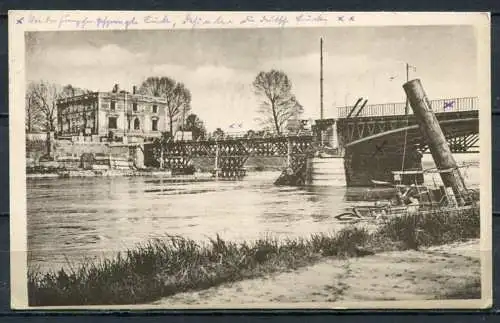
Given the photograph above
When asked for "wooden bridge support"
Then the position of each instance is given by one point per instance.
(362, 164)
(231, 155)
(298, 168)
(177, 164)
(230, 161)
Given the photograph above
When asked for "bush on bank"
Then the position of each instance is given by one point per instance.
(164, 267)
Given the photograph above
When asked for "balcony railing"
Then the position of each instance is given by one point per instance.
(394, 109)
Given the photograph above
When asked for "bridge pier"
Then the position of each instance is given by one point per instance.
(362, 165)
(230, 159)
(298, 166)
(178, 164)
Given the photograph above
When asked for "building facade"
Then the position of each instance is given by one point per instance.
(116, 116)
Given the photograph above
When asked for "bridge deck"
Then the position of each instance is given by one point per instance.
(370, 128)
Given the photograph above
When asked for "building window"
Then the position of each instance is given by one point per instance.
(113, 106)
(155, 108)
(137, 124)
(134, 107)
(112, 123)
(154, 125)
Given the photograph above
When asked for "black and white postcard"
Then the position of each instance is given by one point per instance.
(230, 160)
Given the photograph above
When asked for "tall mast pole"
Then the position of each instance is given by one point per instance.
(407, 79)
(321, 77)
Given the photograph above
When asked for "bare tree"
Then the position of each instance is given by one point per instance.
(176, 95)
(45, 96)
(278, 104)
(33, 115)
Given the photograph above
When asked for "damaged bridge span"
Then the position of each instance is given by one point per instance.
(374, 147)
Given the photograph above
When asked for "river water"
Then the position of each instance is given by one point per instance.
(73, 219)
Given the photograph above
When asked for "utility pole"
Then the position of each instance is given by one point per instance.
(407, 79)
(321, 77)
(408, 66)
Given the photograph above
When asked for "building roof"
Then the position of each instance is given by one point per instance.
(118, 95)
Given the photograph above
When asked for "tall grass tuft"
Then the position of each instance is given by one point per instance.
(433, 228)
(163, 267)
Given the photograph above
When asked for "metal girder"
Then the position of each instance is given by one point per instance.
(353, 129)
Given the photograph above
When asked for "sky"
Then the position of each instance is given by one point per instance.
(219, 66)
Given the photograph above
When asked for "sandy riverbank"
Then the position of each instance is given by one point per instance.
(441, 272)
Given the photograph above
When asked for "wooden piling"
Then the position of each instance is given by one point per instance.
(434, 137)
(289, 149)
(162, 158)
(216, 160)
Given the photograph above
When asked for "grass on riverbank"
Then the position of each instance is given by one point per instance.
(164, 267)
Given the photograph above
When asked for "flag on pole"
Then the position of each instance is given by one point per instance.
(413, 68)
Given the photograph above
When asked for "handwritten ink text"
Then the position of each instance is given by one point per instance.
(157, 20)
(106, 22)
(310, 18)
(198, 21)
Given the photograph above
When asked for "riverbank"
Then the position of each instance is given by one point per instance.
(450, 271)
(110, 173)
(166, 267)
(203, 165)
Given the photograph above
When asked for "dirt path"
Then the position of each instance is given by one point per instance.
(451, 271)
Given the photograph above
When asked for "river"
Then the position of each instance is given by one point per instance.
(73, 219)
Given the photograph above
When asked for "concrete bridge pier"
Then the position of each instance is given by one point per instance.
(362, 164)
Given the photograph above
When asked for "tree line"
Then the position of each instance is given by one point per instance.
(41, 104)
(277, 104)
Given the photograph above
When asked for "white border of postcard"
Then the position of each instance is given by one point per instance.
(22, 21)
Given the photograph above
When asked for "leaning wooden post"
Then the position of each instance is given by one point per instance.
(433, 135)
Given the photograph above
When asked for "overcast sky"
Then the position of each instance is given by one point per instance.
(218, 66)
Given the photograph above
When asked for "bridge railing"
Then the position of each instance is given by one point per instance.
(394, 109)
(246, 135)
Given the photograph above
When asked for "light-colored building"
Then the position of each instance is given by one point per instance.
(116, 115)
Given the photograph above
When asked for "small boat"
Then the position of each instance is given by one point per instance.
(381, 183)
(372, 211)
